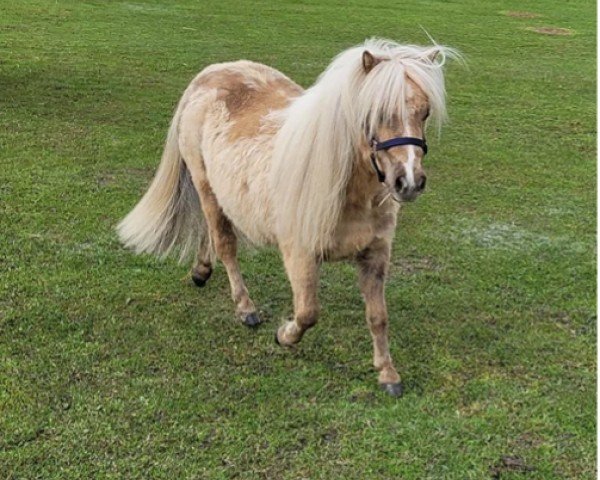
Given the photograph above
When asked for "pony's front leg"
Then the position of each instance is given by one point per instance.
(373, 266)
(303, 272)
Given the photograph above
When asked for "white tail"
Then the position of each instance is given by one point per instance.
(169, 216)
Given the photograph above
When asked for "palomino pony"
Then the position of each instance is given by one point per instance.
(320, 173)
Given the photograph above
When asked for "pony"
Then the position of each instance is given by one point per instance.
(320, 173)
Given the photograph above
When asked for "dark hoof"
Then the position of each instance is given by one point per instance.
(200, 280)
(393, 389)
(251, 320)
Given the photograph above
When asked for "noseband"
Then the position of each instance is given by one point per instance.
(393, 142)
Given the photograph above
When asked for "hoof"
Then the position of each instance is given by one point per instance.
(393, 389)
(284, 345)
(251, 320)
(200, 280)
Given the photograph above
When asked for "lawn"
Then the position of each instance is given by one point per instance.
(116, 366)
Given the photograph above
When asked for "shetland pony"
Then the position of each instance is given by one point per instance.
(320, 173)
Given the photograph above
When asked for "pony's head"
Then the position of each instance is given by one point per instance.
(400, 90)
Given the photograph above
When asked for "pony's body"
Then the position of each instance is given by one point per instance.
(251, 152)
(239, 106)
(233, 101)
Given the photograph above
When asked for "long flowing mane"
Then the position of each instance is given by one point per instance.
(316, 147)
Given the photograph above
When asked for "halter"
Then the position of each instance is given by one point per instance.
(393, 142)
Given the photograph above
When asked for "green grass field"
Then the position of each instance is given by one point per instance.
(115, 366)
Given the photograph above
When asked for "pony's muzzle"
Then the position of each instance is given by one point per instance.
(408, 192)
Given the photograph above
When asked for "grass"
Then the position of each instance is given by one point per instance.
(114, 366)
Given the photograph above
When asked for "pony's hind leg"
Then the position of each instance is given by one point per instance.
(203, 268)
(225, 244)
(373, 264)
(222, 241)
(302, 270)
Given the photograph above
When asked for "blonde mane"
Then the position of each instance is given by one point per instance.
(317, 145)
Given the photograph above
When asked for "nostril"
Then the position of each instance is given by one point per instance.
(399, 184)
(421, 183)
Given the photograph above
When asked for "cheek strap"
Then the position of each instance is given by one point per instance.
(380, 174)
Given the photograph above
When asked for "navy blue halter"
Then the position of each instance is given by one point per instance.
(393, 142)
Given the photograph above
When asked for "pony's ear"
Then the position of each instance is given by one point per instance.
(433, 54)
(369, 61)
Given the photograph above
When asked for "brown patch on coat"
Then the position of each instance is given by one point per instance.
(551, 31)
(248, 106)
(521, 14)
(238, 97)
(250, 91)
(230, 87)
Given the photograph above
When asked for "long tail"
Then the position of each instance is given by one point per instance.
(169, 216)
